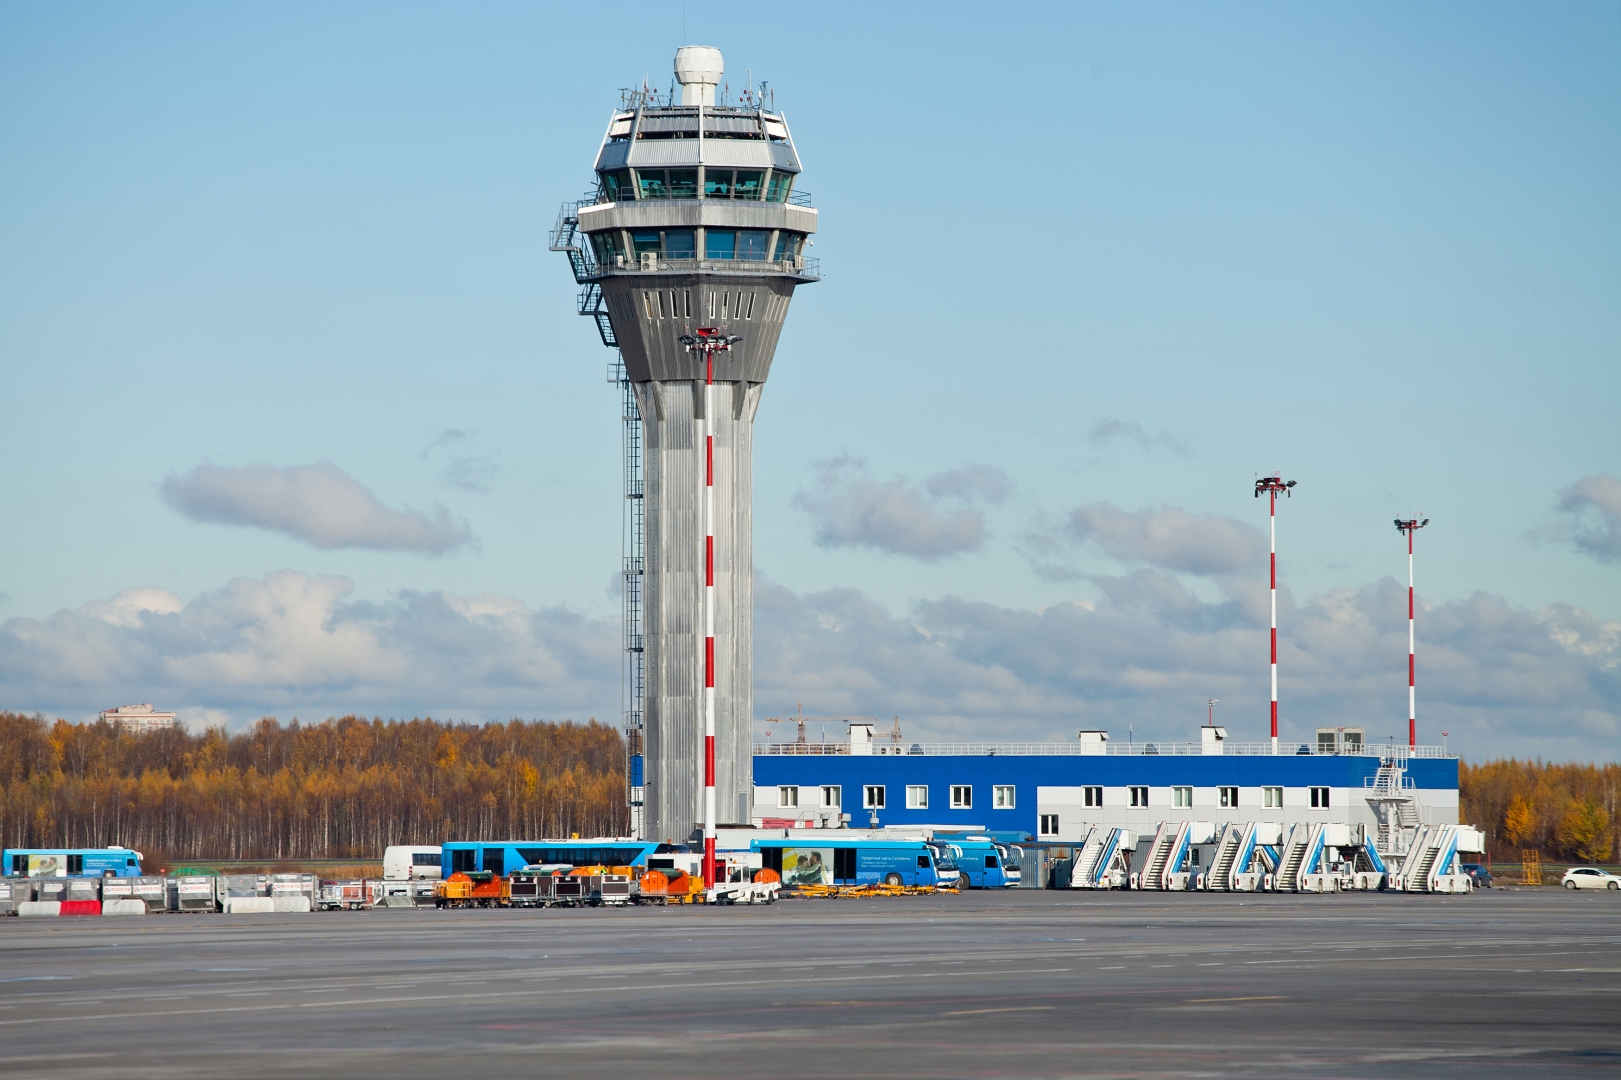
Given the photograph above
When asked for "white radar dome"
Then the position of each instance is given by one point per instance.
(698, 69)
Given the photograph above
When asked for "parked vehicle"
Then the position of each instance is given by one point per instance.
(858, 862)
(984, 863)
(1590, 877)
(1481, 876)
(407, 863)
(71, 862)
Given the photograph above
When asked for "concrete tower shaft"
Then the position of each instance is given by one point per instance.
(695, 222)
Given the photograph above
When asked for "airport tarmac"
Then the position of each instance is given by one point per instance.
(1510, 982)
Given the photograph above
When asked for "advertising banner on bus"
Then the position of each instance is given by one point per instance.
(807, 866)
(47, 865)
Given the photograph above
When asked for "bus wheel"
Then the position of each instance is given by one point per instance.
(892, 879)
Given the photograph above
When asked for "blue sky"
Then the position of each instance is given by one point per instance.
(1106, 264)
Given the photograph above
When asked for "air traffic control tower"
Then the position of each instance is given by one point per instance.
(694, 222)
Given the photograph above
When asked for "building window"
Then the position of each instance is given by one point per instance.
(832, 796)
(1319, 798)
(788, 796)
(1049, 825)
(1092, 796)
(1229, 796)
(720, 244)
(962, 797)
(917, 796)
(1002, 797)
(1182, 797)
(1272, 797)
(872, 797)
(1139, 796)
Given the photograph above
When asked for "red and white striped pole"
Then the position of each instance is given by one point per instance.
(1272, 485)
(1409, 527)
(709, 341)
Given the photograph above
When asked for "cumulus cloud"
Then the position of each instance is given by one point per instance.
(1165, 537)
(1146, 653)
(1590, 517)
(1149, 653)
(319, 504)
(1108, 430)
(851, 509)
(295, 641)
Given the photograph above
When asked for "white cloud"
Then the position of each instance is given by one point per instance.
(465, 465)
(1165, 537)
(1146, 653)
(295, 642)
(1590, 517)
(850, 509)
(1109, 430)
(319, 504)
(1502, 680)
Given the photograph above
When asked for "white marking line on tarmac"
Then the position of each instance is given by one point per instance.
(1024, 1008)
(775, 983)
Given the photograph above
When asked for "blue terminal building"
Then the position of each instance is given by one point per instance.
(1056, 792)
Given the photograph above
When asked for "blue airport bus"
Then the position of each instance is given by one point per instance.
(503, 857)
(815, 861)
(71, 862)
(984, 863)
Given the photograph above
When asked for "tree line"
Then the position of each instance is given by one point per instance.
(1564, 811)
(342, 789)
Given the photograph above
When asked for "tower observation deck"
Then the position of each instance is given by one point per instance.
(694, 222)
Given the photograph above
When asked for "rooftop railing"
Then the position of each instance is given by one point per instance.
(648, 263)
(1076, 749)
(795, 198)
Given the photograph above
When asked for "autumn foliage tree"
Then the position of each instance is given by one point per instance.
(345, 788)
(1566, 811)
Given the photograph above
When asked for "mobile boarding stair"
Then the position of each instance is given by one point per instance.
(1168, 855)
(1241, 861)
(1432, 863)
(1300, 859)
(1104, 861)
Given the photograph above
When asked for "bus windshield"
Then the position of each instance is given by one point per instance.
(1010, 856)
(943, 859)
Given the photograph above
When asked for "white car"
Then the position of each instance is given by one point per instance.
(1589, 877)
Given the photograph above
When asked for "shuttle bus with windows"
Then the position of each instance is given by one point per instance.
(71, 862)
(985, 864)
(402, 862)
(857, 861)
(503, 857)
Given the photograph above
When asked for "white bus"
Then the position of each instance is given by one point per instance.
(407, 863)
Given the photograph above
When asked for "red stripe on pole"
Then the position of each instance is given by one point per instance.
(709, 461)
(1412, 733)
(709, 662)
(709, 761)
(1410, 682)
(1274, 570)
(709, 560)
(709, 862)
(1409, 603)
(1274, 719)
(1274, 646)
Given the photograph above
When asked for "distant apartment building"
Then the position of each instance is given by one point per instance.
(139, 718)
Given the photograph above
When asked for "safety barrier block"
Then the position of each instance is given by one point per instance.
(123, 906)
(245, 905)
(290, 903)
(81, 907)
(39, 907)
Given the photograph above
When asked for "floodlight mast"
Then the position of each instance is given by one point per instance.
(706, 342)
(1272, 485)
(1408, 528)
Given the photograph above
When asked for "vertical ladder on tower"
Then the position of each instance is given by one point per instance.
(632, 544)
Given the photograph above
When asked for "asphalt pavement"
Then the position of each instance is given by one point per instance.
(1505, 983)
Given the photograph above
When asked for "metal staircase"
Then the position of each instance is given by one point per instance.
(565, 237)
(1101, 863)
(1301, 852)
(1228, 850)
(1164, 845)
